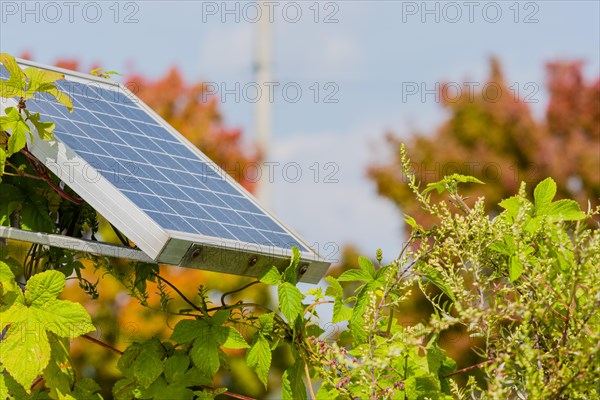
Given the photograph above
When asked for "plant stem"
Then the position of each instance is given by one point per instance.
(308, 382)
(179, 293)
(460, 371)
(236, 291)
(101, 343)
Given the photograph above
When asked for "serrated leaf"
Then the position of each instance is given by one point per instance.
(293, 387)
(59, 374)
(259, 358)
(543, 194)
(147, 366)
(515, 268)
(44, 129)
(340, 311)
(2, 164)
(65, 318)
(42, 81)
(334, 289)
(188, 330)
(450, 182)
(44, 287)
(326, 392)
(175, 367)
(290, 274)
(272, 276)
(355, 275)
(220, 317)
(357, 319)
(233, 339)
(290, 301)
(25, 353)
(205, 356)
(266, 323)
(501, 247)
(435, 277)
(14, 123)
(366, 266)
(15, 84)
(6, 274)
(565, 210)
(512, 205)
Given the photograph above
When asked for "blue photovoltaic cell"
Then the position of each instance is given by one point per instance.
(154, 168)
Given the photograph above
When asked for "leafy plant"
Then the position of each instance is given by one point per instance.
(522, 285)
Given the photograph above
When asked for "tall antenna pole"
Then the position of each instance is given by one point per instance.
(263, 105)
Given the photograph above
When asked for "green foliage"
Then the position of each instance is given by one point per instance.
(522, 285)
(17, 123)
(33, 319)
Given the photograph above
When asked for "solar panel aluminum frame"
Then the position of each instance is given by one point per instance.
(162, 245)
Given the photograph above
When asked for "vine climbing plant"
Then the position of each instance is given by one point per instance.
(521, 285)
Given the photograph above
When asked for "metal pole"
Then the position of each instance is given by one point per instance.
(263, 105)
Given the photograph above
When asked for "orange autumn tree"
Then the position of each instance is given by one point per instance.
(492, 135)
(120, 319)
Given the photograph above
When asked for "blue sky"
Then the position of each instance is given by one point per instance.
(365, 56)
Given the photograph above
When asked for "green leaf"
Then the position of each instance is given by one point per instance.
(2, 164)
(357, 321)
(59, 374)
(15, 123)
(6, 274)
(233, 339)
(35, 216)
(14, 86)
(334, 289)
(25, 353)
(44, 287)
(515, 268)
(220, 317)
(147, 366)
(366, 266)
(43, 128)
(290, 301)
(450, 183)
(438, 280)
(205, 355)
(266, 323)
(259, 358)
(502, 248)
(512, 205)
(64, 318)
(291, 272)
(188, 330)
(10, 389)
(272, 276)
(42, 81)
(10, 197)
(340, 311)
(355, 275)
(293, 387)
(543, 194)
(175, 368)
(565, 210)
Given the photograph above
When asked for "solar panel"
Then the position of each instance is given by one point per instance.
(157, 187)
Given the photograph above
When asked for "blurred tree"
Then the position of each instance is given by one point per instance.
(492, 135)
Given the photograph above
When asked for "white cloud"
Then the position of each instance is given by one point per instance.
(333, 214)
(227, 50)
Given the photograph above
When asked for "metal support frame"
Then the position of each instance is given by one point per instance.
(74, 244)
